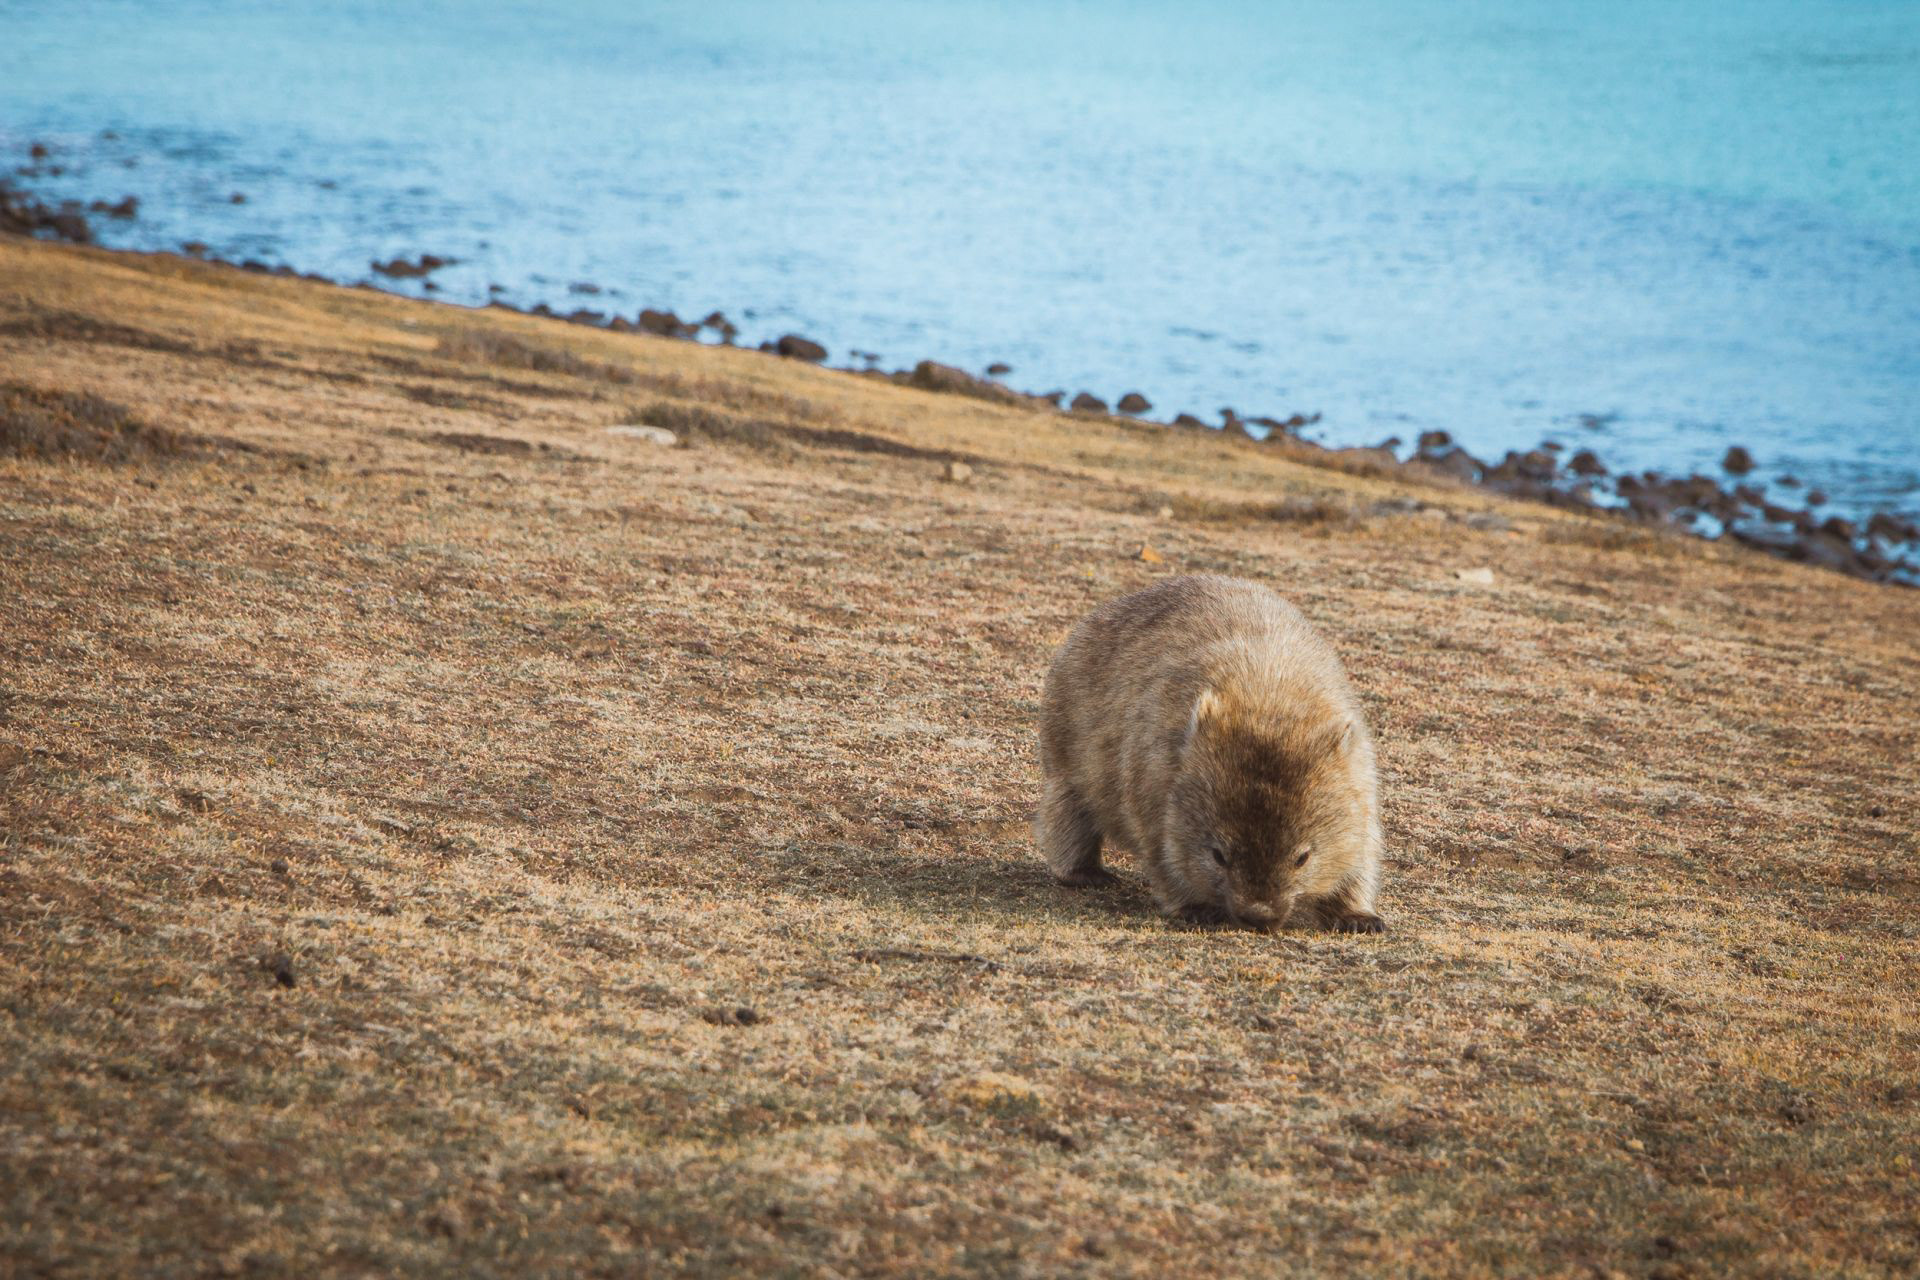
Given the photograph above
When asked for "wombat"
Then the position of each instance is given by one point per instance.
(1204, 725)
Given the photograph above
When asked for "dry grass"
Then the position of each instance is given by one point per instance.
(40, 423)
(510, 351)
(422, 850)
(1618, 535)
(1332, 510)
(704, 424)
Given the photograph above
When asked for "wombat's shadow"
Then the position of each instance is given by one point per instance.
(981, 880)
(975, 879)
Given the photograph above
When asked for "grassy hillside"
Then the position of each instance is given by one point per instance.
(437, 834)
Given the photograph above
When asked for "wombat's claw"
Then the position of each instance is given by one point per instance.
(1201, 913)
(1359, 922)
(1088, 877)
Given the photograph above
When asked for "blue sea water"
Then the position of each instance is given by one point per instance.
(1653, 229)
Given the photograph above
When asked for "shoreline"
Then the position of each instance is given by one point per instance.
(1881, 546)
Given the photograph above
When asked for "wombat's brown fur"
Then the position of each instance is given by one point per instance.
(1204, 725)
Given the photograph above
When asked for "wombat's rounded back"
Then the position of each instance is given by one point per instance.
(1121, 691)
(1165, 639)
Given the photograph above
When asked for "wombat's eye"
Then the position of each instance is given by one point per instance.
(1219, 855)
(1301, 861)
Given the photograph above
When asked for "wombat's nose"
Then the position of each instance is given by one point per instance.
(1257, 915)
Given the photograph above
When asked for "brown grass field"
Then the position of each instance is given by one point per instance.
(440, 836)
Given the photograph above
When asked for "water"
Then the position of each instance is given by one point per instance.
(1653, 229)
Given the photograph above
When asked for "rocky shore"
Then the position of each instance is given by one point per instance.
(1882, 546)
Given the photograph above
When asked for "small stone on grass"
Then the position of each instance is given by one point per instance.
(995, 1089)
(738, 1016)
(650, 435)
(280, 966)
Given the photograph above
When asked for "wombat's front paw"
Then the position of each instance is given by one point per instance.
(1205, 914)
(1358, 922)
(1087, 877)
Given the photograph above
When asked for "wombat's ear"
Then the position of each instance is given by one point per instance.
(1338, 740)
(1207, 707)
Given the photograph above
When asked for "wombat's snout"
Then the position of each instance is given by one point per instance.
(1257, 915)
(1263, 916)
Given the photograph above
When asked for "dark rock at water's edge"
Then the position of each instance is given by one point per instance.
(283, 271)
(666, 324)
(127, 208)
(1585, 462)
(1134, 402)
(1277, 426)
(1821, 547)
(1738, 461)
(1455, 463)
(1526, 475)
(1087, 402)
(1436, 454)
(1744, 514)
(931, 375)
(795, 347)
(1775, 514)
(999, 369)
(401, 269)
(1694, 502)
(663, 324)
(1892, 529)
(23, 215)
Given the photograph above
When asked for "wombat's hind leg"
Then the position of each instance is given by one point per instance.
(1067, 837)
